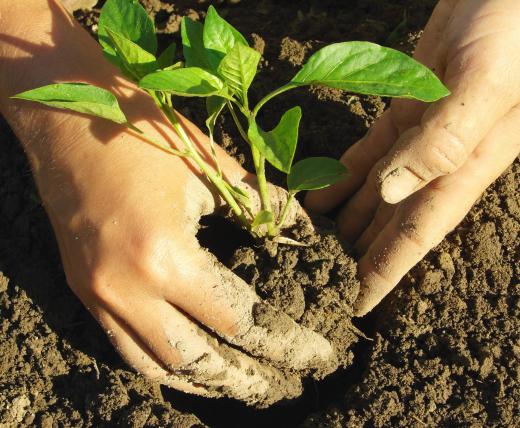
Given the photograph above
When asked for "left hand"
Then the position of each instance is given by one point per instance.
(421, 167)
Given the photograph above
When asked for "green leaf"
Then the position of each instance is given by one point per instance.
(238, 68)
(367, 68)
(128, 18)
(187, 82)
(315, 173)
(195, 54)
(78, 97)
(138, 62)
(167, 56)
(240, 195)
(214, 106)
(278, 146)
(219, 37)
(263, 217)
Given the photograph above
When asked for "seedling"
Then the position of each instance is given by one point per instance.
(220, 66)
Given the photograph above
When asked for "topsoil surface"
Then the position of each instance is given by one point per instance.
(446, 342)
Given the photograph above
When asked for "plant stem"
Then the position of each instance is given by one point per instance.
(155, 143)
(214, 153)
(273, 94)
(241, 130)
(193, 153)
(285, 211)
(259, 163)
(263, 188)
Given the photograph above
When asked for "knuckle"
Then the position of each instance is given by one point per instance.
(410, 235)
(447, 153)
(153, 257)
(409, 231)
(100, 286)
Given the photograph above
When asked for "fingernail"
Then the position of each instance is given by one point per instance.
(370, 295)
(398, 185)
(361, 308)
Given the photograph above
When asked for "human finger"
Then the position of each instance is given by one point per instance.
(137, 355)
(381, 218)
(217, 298)
(195, 360)
(361, 157)
(421, 222)
(483, 91)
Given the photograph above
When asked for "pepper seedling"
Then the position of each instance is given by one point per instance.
(220, 66)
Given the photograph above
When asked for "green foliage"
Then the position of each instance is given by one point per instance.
(278, 146)
(135, 61)
(220, 66)
(214, 106)
(238, 68)
(77, 97)
(167, 56)
(187, 82)
(129, 19)
(315, 173)
(263, 217)
(219, 37)
(241, 196)
(195, 54)
(367, 68)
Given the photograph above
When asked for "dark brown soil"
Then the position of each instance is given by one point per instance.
(447, 341)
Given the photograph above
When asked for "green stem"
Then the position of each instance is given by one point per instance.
(239, 126)
(273, 94)
(259, 163)
(155, 143)
(285, 211)
(263, 188)
(214, 153)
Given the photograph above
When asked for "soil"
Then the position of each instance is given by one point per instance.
(446, 348)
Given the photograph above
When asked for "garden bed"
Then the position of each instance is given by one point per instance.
(446, 343)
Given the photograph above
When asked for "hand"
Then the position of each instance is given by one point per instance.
(126, 221)
(125, 216)
(421, 167)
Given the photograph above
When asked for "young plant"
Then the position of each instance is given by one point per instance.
(220, 66)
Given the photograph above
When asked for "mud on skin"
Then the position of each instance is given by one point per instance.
(447, 343)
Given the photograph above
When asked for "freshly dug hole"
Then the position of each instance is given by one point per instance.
(314, 284)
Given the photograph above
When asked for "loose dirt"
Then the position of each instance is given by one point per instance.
(446, 348)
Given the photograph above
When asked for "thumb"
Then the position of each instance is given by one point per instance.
(449, 130)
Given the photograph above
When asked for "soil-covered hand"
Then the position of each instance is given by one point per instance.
(126, 223)
(126, 215)
(419, 170)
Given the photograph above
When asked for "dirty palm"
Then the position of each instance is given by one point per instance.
(220, 66)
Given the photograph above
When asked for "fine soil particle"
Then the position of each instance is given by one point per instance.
(446, 349)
